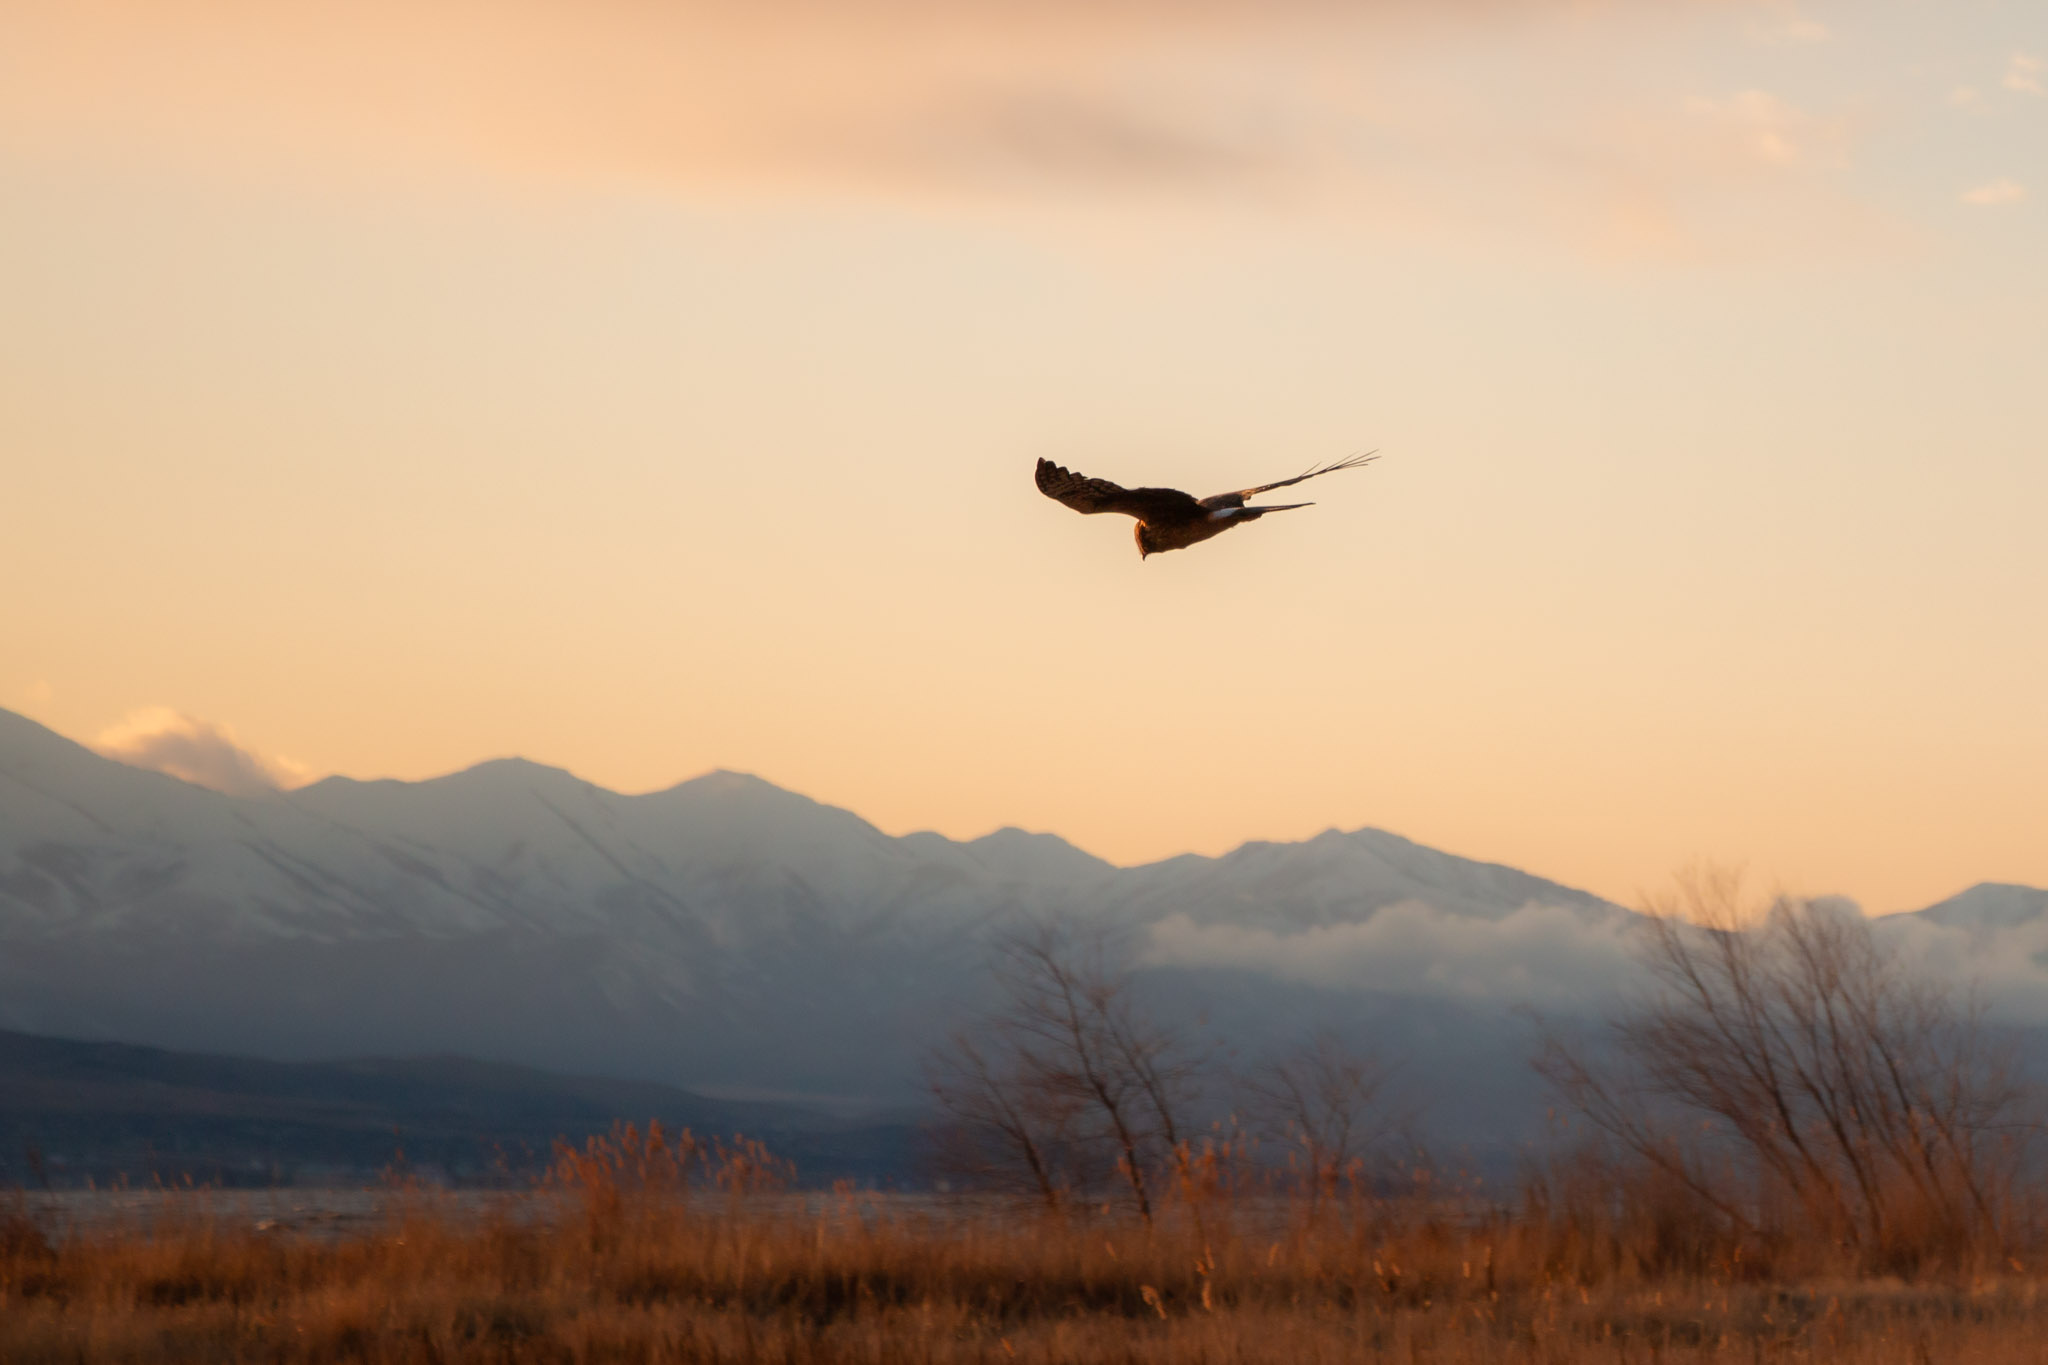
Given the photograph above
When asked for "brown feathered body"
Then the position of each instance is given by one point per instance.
(1168, 519)
(1175, 534)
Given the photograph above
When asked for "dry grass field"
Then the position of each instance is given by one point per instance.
(644, 1248)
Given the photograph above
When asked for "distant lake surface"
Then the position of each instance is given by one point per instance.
(342, 1212)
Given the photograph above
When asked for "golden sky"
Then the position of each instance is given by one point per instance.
(649, 387)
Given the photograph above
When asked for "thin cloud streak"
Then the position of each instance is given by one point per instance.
(1321, 112)
(1755, 125)
(1788, 29)
(2024, 74)
(1998, 192)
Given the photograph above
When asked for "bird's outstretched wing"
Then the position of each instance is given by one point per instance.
(1088, 495)
(1237, 499)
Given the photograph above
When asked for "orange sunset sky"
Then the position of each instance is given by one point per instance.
(649, 387)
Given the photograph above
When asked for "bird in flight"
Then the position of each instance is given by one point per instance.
(1169, 519)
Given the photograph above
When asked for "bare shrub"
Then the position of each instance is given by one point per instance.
(1791, 1080)
(1326, 1108)
(1001, 1133)
(1068, 1083)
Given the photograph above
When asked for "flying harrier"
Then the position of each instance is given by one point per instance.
(1169, 519)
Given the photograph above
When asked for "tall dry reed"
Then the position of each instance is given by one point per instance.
(650, 1246)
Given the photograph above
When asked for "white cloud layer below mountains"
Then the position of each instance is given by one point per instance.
(2005, 967)
(1555, 958)
(1538, 955)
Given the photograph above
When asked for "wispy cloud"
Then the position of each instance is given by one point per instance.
(196, 751)
(1372, 115)
(2024, 74)
(1967, 97)
(1078, 138)
(1765, 127)
(1787, 28)
(2004, 190)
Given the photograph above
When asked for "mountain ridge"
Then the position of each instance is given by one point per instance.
(719, 934)
(722, 933)
(1990, 905)
(723, 781)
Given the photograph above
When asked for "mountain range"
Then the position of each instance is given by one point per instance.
(751, 944)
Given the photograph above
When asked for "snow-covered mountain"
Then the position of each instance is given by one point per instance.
(725, 859)
(722, 934)
(1991, 906)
